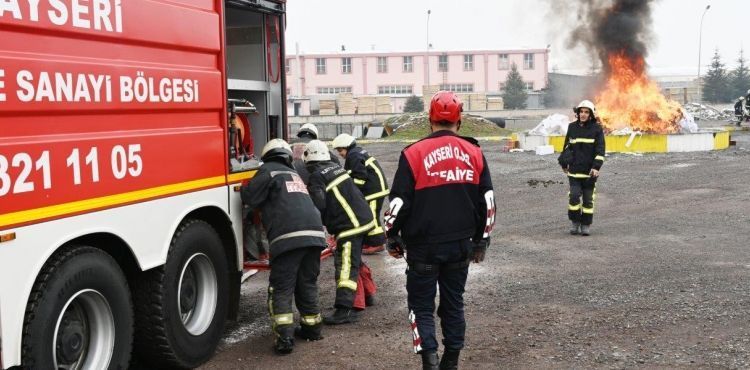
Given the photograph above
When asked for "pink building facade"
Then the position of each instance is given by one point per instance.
(399, 75)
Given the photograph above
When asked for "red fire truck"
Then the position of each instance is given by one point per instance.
(120, 221)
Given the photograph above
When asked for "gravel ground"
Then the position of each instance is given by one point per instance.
(661, 283)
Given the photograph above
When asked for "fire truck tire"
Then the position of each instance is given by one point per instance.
(79, 313)
(181, 307)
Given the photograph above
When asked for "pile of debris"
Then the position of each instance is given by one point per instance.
(706, 112)
(417, 125)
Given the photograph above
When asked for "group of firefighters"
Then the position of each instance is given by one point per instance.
(742, 108)
(440, 216)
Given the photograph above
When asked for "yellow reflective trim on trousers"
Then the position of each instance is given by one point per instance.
(357, 230)
(584, 141)
(346, 207)
(346, 268)
(588, 211)
(579, 175)
(283, 319)
(337, 181)
(599, 158)
(371, 162)
(377, 230)
(311, 320)
(377, 195)
(574, 208)
(359, 182)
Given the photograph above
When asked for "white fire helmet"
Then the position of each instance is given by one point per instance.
(343, 141)
(310, 128)
(276, 147)
(586, 104)
(742, 98)
(316, 150)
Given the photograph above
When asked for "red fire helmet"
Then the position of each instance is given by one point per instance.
(445, 106)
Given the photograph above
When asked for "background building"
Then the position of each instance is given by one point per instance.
(315, 77)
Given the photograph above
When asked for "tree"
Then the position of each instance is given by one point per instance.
(413, 104)
(740, 77)
(515, 90)
(716, 87)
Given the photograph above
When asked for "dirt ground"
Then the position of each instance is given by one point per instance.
(661, 283)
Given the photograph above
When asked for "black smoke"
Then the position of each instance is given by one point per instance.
(604, 27)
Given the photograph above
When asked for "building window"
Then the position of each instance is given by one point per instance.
(320, 66)
(442, 63)
(382, 64)
(468, 62)
(529, 86)
(395, 90)
(334, 90)
(409, 64)
(503, 61)
(346, 65)
(501, 87)
(528, 61)
(458, 88)
(288, 66)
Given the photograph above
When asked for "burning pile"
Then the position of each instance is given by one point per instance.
(631, 99)
(617, 31)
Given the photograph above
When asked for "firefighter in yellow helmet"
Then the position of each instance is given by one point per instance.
(581, 159)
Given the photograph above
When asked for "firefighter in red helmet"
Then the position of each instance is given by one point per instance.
(442, 209)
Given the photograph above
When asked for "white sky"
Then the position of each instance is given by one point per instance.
(401, 25)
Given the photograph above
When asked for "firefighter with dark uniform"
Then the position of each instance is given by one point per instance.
(442, 210)
(739, 110)
(307, 132)
(296, 236)
(346, 215)
(581, 159)
(369, 177)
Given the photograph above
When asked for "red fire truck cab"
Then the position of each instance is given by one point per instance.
(120, 221)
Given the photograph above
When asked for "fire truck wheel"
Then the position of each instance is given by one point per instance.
(181, 307)
(79, 314)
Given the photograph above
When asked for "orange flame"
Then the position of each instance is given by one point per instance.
(631, 99)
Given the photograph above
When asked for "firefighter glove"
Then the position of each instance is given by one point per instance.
(480, 248)
(395, 246)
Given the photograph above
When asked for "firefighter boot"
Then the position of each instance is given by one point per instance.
(309, 332)
(342, 316)
(585, 230)
(430, 361)
(449, 360)
(283, 345)
(575, 228)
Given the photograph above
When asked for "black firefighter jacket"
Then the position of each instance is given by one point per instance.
(289, 216)
(583, 150)
(366, 173)
(343, 207)
(442, 192)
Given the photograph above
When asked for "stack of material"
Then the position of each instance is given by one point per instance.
(384, 104)
(327, 107)
(495, 103)
(345, 103)
(428, 92)
(478, 101)
(366, 105)
(466, 99)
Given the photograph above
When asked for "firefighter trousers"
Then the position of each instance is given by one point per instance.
(347, 259)
(444, 266)
(294, 274)
(376, 236)
(582, 198)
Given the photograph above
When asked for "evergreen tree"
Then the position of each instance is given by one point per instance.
(740, 78)
(716, 88)
(515, 90)
(413, 104)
